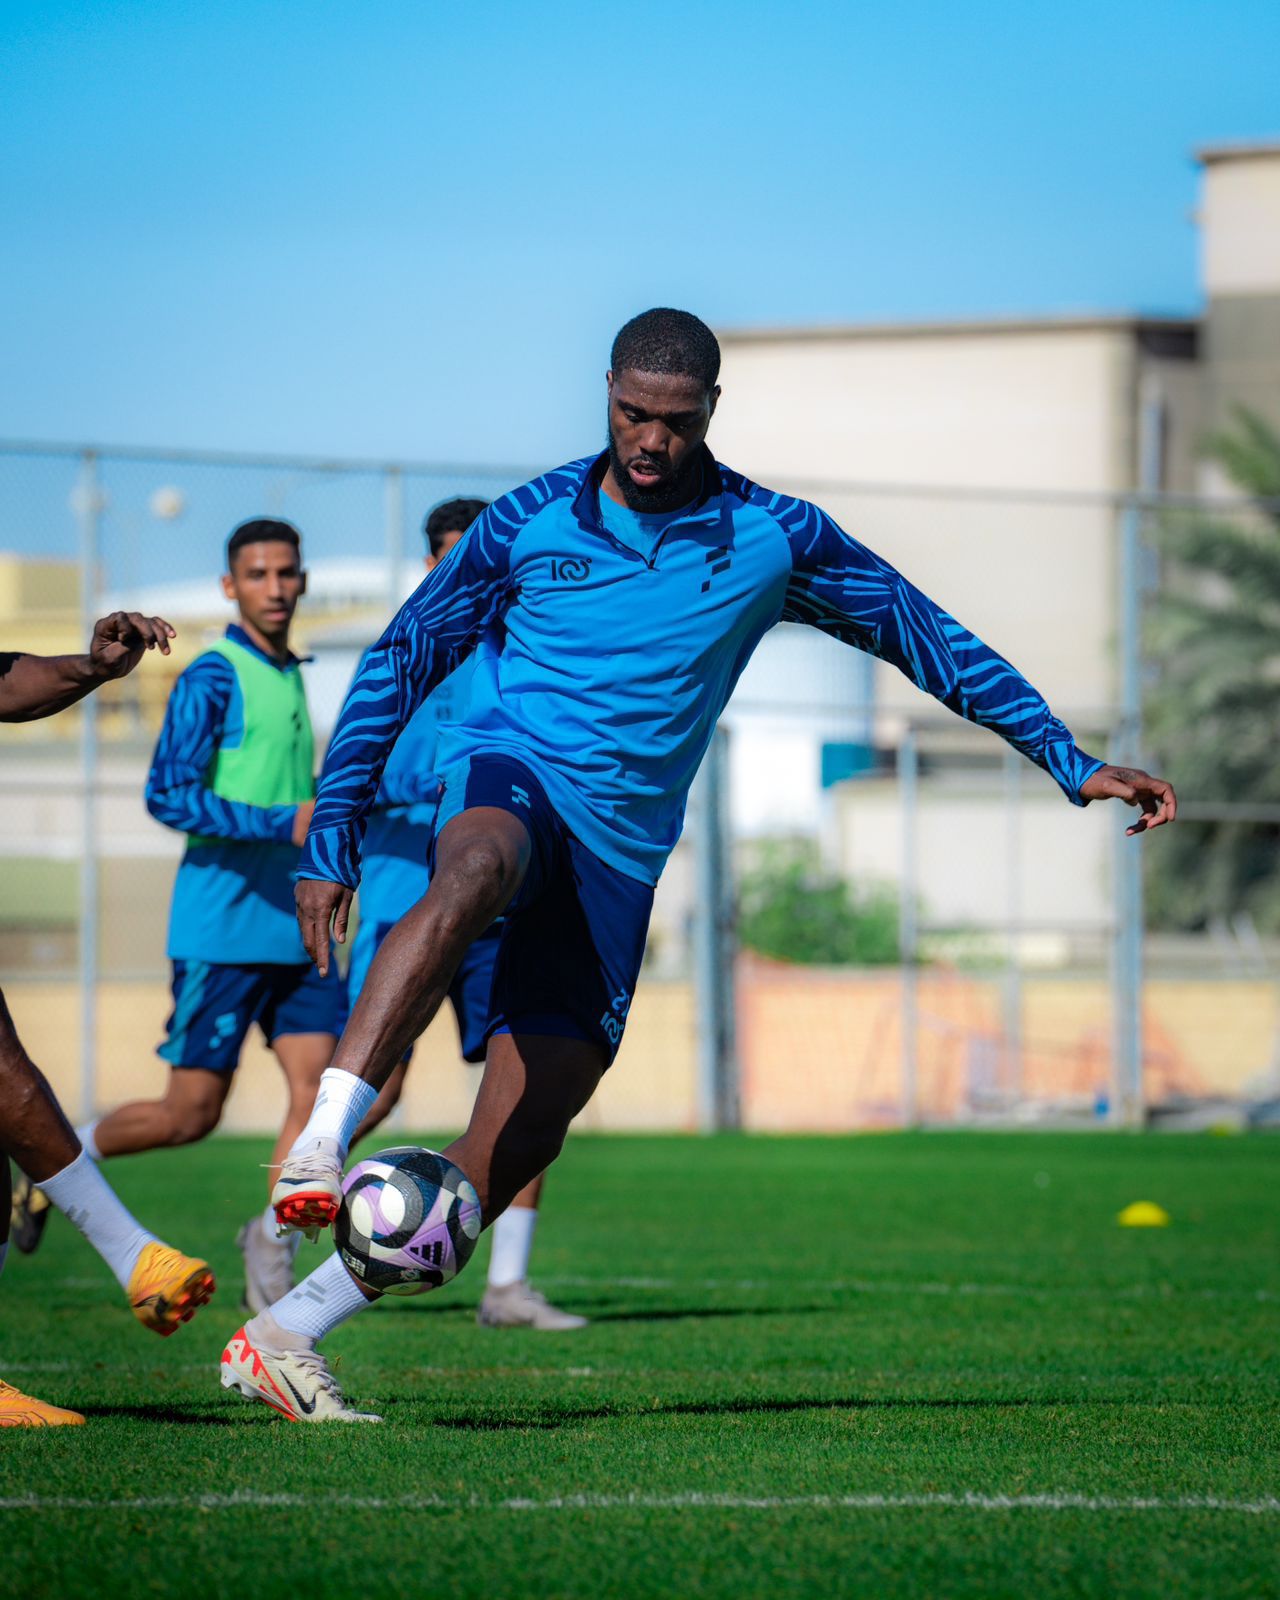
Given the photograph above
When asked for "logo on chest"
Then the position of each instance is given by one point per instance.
(570, 569)
(718, 560)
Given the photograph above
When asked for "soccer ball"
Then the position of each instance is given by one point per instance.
(409, 1221)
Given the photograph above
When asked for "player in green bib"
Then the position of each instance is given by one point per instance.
(234, 770)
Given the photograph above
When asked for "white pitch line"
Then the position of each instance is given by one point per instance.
(253, 1500)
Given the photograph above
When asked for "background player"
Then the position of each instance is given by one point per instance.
(395, 876)
(612, 605)
(163, 1286)
(234, 770)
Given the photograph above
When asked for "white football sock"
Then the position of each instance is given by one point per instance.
(86, 1138)
(342, 1103)
(289, 1242)
(89, 1201)
(512, 1236)
(319, 1303)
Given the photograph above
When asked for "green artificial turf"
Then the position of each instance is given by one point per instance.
(780, 1322)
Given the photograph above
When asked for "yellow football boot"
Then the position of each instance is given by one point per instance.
(18, 1410)
(167, 1288)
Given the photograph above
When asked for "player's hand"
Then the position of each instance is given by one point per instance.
(321, 904)
(1153, 796)
(302, 821)
(121, 640)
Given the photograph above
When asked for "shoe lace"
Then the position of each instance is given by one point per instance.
(313, 1363)
(318, 1162)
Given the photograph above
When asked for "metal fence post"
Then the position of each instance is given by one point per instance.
(1013, 913)
(908, 927)
(719, 1101)
(393, 517)
(1127, 1104)
(88, 501)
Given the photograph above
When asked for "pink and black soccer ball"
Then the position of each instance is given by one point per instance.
(409, 1221)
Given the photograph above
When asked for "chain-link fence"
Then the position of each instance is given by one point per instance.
(877, 915)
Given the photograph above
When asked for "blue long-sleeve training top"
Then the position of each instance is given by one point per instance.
(604, 664)
(233, 896)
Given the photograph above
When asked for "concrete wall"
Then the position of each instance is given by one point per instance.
(821, 1050)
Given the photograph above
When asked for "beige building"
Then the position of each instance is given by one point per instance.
(987, 460)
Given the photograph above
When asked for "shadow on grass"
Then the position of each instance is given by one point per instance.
(699, 1313)
(211, 1415)
(745, 1406)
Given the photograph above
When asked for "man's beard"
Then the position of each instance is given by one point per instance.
(670, 495)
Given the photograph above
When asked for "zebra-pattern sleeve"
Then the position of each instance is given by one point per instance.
(177, 786)
(846, 590)
(431, 633)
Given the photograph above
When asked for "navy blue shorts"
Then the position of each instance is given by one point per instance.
(468, 993)
(215, 1005)
(573, 938)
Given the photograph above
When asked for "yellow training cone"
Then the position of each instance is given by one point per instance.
(1144, 1214)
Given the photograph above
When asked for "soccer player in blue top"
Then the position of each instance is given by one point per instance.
(234, 770)
(611, 606)
(394, 876)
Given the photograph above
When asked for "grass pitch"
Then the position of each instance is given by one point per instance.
(918, 1364)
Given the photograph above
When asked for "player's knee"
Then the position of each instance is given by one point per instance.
(481, 878)
(189, 1123)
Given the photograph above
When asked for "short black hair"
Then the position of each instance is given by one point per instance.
(663, 340)
(448, 516)
(262, 530)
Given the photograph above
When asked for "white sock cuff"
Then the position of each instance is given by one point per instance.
(84, 1196)
(512, 1236)
(86, 1137)
(319, 1303)
(342, 1102)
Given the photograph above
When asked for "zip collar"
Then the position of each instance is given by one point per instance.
(237, 635)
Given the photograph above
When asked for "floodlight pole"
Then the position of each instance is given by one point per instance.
(89, 506)
(1127, 1104)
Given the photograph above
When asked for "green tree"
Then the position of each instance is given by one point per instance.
(1213, 713)
(792, 909)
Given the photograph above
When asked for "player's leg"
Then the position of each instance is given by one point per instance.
(214, 1006)
(268, 1257)
(482, 857)
(369, 937)
(532, 1089)
(164, 1287)
(188, 1110)
(509, 1299)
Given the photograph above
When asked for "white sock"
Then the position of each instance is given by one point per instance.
(86, 1138)
(512, 1243)
(319, 1303)
(291, 1240)
(88, 1200)
(342, 1102)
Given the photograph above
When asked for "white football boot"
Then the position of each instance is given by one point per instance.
(285, 1370)
(519, 1305)
(308, 1193)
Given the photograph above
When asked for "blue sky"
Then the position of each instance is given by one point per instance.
(411, 229)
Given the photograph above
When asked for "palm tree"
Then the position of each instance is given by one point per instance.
(1213, 710)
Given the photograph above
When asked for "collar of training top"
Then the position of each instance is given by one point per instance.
(703, 508)
(237, 635)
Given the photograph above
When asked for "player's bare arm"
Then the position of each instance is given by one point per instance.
(32, 687)
(1153, 796)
